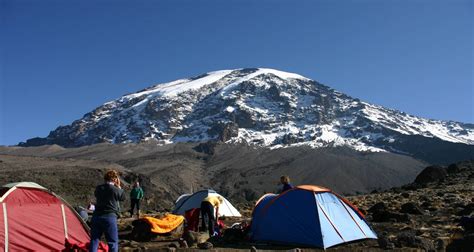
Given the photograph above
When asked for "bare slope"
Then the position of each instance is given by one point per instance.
(238, 171)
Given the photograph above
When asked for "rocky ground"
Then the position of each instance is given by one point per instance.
(426, 213)
(422, 216)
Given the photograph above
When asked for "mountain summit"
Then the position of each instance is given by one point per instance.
(262, 107)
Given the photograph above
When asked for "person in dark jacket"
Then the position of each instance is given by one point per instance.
(285, 181)
(135, 196)
(107, 210)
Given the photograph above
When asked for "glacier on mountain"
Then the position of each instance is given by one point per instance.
(255, 106)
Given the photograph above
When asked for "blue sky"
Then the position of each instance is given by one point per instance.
(61, 59)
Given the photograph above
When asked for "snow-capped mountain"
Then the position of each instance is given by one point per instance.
(257, 106)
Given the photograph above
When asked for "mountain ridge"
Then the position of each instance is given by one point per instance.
(257, 106)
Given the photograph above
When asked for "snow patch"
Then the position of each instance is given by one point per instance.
(260, 71)
(230, 109)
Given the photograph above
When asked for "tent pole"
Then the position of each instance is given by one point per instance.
(352, 217)
(64, 221)
(5, 221)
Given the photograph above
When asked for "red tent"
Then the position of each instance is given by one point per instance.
(35, 219)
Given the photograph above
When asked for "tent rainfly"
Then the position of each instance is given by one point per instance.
(32, 218)
(186, 202)
(309, 216)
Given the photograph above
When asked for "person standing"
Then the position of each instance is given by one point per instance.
(210, 208)
(107, 210)
(135, 196)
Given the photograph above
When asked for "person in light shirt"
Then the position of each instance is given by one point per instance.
(91, 207)
(210, 209)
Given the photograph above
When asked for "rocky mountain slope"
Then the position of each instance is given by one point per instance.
(266, 108)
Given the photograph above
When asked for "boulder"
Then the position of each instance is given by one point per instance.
(173, 245)
(426, 204)
(411, 187)
(205, 245)
(141, 231)
(431, 174)
(377, 207)
(388, 216)
(409, 239)
(453, 168)
(385, 243)
(233, 235)
(465, 243)
(466, 210)
(193, 238)
(380, 213)
(440, 244)
(411, 208)
(467, 223)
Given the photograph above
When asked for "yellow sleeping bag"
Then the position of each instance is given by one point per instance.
(166, 224)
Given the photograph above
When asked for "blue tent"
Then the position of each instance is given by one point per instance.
(309, 216)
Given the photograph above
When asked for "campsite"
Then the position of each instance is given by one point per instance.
(376, 221)
(236, 125)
